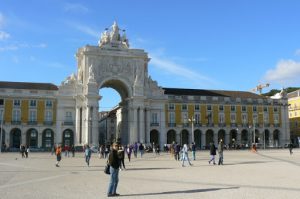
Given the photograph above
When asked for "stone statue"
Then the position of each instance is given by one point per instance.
(91, 73)
(115, 35)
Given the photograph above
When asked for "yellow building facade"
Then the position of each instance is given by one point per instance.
(294, 116)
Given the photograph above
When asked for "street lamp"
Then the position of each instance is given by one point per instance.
(192, 120)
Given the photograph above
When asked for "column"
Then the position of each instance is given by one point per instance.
(77, 127)
(147, 126)
(216, 138)
(227, 138)
(95, 127)
(133, 126)
(142, 125)
(162, 133)
(203, 140)
(239, 137)
(40, 139)
(271, 138)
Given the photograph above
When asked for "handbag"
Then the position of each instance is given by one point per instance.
(107, 169)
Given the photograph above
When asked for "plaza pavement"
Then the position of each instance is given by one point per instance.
(268, 174)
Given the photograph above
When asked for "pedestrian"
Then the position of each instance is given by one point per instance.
(66, 149)
(113, 161)
(22, 149)
(194, 150)
(185, 155)
(141, 149)
(52, 150)
(157, 149)
(212, 153)
(291, 148)
(177, 151)
(58, 155)
(121, 154)
(26, 151)
(220, 151)
(87, 154)
(73, 150)
(129, 151)
(106, 151)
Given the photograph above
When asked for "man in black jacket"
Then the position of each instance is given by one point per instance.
(113, 161)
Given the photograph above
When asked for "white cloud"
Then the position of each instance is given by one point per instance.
(75, 7)
(180, 70)
(85, 29)
(4, 35)
(286, 72)
(18, 46)
(297, 52)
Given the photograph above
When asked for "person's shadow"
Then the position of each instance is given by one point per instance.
(179, 192)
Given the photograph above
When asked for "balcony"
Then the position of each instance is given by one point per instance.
(68, 123)
(185, 124)
(171, 124)
(210, 124)
(48, 123)
(154, 124)
(16, 122)
(197, 125)
(233, 124)
(32, 122)
(222, 125)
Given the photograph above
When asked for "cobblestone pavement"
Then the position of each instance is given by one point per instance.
(267, 174)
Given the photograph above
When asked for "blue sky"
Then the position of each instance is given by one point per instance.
(205, 44)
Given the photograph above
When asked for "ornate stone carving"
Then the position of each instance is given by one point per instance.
(112, 38)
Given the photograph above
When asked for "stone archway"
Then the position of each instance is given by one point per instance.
(32, 138)
(276, 137)
(154, 137)
(221, 135)
(48, 138)
(184, 137)
(245, 137)
(68, 137)
(209, 137)
(15, 138)
(197, 137)
(171, 136)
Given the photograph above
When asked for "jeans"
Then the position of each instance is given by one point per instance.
(87, 160)
(194, 155)
(114, 180)
(185, 157)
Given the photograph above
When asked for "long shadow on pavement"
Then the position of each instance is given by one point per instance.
(179, 192)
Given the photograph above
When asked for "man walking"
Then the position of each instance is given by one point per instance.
(87, 154)
(220, 151)
(185, 155)
(113, 161)
(194, 150)
(58, 155)
(212, 153)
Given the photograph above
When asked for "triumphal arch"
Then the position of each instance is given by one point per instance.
(115, 65)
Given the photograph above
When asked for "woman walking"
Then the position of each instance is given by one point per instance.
(212, 153)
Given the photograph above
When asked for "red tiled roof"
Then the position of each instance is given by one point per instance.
(28, 85)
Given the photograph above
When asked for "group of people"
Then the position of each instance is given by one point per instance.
(24, 150)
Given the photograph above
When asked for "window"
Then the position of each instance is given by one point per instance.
(16, 115)
(32, 103)
(265, 109)
(48, 134)
(221, 118)
(197, 118)
(33, 134)
(17, 103)
(208, 107)
(1, 102)
(172, 117)
(171, 107)
(244, 118)
(232, 118)
(276, 118)
(48, 104)
(48, 116)
(275, 109)
(197, 107)
(154, 118)
(244, 108)
(184, 107)
(221, 108)
(232, 108)
(68, 116)
(32, 115)
(184, 118)
(254, 108)
(266, 118)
